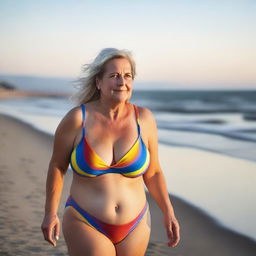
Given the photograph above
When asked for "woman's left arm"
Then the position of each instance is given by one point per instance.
(155, 181)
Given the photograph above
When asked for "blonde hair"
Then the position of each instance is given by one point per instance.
(86, 85)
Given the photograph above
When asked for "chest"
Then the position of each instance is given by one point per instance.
(112, 142)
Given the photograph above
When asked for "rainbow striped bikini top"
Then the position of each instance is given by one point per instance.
(84, 160)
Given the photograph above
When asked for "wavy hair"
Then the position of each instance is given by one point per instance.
(86, 85)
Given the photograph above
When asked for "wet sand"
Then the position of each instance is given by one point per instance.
(24, 158)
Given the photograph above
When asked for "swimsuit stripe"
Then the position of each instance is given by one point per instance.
(90, 220)
(86, 162)
(140, 171)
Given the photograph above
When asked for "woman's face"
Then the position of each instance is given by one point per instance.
(116, 82)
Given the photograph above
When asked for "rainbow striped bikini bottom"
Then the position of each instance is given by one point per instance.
(116, 233)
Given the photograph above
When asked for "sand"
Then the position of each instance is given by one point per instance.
(24, 158)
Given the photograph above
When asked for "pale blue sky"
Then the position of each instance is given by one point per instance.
(189, 42)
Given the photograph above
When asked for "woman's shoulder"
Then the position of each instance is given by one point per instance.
(145, 115)
(72, 118)
(74, 114)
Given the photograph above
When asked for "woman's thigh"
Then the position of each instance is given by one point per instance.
(83, 240)
(135, 244)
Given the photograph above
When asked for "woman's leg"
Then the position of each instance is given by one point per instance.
(81, 239)
(136, 242)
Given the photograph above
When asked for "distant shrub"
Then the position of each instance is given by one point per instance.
(6, 86)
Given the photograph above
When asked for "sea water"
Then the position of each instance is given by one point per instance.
(224, 124)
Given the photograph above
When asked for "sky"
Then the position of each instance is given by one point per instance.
(194, 43)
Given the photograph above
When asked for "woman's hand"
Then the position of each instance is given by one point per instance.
(51, 228)
(172, 229)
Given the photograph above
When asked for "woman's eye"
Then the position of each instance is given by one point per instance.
(118, 75)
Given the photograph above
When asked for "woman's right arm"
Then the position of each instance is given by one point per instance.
(63, 143)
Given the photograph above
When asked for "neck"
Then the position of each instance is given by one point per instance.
(110, 109)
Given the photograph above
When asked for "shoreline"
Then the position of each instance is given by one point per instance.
(24, 163)
(9, 94)
(206, 150)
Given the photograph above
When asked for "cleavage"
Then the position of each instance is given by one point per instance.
(114, 161)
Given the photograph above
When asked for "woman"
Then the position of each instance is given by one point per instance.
(112, 148)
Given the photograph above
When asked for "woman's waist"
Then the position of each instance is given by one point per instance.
(113, 207)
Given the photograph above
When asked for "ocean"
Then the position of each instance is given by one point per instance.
(220, 121)
(217, 121)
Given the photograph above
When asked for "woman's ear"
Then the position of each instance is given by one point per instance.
(97, 82)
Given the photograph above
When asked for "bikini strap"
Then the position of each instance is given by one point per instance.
(137, 117)
(83, 116)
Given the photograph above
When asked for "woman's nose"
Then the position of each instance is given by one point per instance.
(121, 80)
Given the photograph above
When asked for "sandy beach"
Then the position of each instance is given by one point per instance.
(24, 158)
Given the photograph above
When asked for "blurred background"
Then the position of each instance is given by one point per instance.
(196, 65)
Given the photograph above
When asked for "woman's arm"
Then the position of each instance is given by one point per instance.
(63, 143)
(155, 181)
